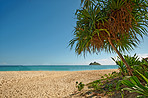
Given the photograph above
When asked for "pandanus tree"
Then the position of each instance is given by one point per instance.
(110, 25)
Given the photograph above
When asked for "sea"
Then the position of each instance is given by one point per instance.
(55, 67)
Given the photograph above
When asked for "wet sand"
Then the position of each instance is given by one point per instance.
(44, 84)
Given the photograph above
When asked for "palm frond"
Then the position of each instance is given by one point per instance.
(122, 21)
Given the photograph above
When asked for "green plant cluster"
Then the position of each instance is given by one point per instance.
(114, 26)
(107, 84)
(134, 62)
(80, 86)
(110, 84)
(137, 83)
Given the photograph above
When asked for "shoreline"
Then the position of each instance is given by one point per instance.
(55, 70)
(45, 83)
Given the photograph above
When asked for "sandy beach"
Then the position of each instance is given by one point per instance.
(44, 84)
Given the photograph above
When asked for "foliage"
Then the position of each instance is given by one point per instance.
(106, 85)
(80, 86)
(110, 25)
(134, 62)
(135, 85)
(114, 83)
(99, 21)
(121, 65)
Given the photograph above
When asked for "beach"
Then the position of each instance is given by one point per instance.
(45, 84)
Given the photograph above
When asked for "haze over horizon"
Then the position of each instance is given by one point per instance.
(36, 32)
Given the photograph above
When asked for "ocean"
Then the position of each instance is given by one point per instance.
(55, 67)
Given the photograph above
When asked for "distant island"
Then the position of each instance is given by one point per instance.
(94, 63)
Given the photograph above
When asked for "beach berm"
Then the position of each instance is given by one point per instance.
(45, 84)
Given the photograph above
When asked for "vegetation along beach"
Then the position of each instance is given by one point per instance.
(34, 33)
(114, 26)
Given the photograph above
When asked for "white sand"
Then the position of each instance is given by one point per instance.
(44, 84)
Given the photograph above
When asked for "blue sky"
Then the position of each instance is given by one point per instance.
(38, 32)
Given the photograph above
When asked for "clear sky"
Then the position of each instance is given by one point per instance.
(38, 32)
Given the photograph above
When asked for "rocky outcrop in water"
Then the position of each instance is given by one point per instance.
(94, 63)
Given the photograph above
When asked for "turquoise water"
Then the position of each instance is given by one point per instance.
(55, 67)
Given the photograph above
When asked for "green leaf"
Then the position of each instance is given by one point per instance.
(142, 76)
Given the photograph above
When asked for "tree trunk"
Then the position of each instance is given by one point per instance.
(121, 57)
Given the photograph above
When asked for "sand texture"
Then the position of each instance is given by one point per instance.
(44, 84)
